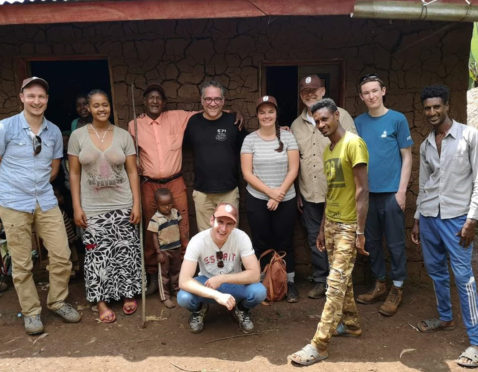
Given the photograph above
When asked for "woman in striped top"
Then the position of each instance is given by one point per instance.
(270, 163)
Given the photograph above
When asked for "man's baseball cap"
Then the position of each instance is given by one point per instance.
(226, 210)
(310, 82)
(266, 99)
(154, 87)
(35, 80)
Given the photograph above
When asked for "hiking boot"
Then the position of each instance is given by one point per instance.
(68, 313)
(377, 293)
(393, 301)
(292, 293)
(196, 320)
(318, 291)
(152, 286)
(244, 319)
(33, 324)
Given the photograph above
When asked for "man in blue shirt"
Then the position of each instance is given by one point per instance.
(31, 149)
(388, 139)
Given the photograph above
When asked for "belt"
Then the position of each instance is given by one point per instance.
(162, 180)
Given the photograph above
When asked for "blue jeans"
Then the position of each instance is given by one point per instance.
(311, 219)
(385, 217)
(249, 295)
(438, 239)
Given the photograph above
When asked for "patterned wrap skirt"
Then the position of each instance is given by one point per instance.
(112, 257)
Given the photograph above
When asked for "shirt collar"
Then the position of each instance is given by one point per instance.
(453, 131)
(305, 117)
(149, 120)
(25, 125)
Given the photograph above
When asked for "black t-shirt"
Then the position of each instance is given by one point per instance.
(216, 145)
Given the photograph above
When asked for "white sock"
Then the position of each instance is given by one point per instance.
(398, 283)
(290, 277)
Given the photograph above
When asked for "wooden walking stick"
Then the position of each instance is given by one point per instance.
(143, 271)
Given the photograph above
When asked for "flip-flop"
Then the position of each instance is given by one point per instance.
(107, 314)
(131, 304)
(432, 325)
(308, 355)
(471, 355)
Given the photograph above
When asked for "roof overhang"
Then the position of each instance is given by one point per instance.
(14, 12)
(136, 10)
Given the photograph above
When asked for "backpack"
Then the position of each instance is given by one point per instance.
(275, 276)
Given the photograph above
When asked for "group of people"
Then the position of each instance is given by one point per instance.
(349, 183)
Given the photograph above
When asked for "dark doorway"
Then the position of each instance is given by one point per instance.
(68, 79)
(282, 84)
(282, 81)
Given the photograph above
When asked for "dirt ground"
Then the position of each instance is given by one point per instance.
(387, 344)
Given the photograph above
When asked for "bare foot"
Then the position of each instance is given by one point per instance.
(106, 314)
(169, 303)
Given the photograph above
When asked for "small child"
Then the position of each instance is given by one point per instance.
(71, 234)
(165, 226)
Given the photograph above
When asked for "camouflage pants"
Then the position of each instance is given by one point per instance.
(340, 304)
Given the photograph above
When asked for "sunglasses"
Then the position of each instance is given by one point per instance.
(370, 77)
(220, 262)
(36, 145)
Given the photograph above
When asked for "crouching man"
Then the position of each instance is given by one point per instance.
(219, 251)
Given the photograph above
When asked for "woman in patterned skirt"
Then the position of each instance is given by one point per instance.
(105, 193)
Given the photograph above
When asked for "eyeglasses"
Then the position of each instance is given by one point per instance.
(36, 145)
(216, 100)
(220, 262)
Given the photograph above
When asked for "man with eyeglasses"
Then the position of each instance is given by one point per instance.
(220, 251)
(160, 139)
(388, 139)
(216, 142)
(311, 185)
(31, 148)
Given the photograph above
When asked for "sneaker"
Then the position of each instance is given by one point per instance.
(33, 324)
(318, 291)
(68, 313)
(196, 320)
(393, 301)
(292, 293)
(152, 286)
(244, 319)
(377, 293)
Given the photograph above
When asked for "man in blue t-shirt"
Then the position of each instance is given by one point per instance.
(388, 139)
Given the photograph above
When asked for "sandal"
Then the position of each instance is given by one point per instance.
(107, 316)
(308, 355)
(432, 325)
(343, 330)
(471, 357)
(129, 306)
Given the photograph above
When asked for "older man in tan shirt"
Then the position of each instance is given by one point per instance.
(312, 186)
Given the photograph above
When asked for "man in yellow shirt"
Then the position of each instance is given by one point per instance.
(342, 230)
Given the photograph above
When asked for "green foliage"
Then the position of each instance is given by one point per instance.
(473, 61)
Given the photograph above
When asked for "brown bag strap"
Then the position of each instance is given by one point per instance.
(281, 254)
(266, 253)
